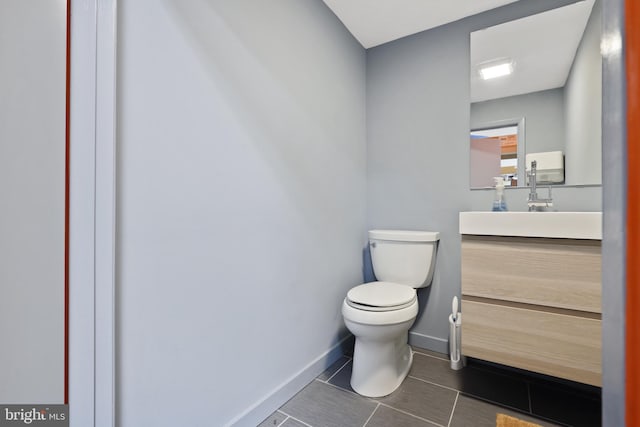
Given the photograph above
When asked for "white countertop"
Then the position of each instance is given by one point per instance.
(567, 225)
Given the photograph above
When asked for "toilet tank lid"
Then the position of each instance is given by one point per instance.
(405, 235)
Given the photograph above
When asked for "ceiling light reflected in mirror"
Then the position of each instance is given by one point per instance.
(495, 68)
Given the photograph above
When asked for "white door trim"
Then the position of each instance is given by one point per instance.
(92, 214)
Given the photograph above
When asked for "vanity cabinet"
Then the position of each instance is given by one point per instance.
(533, 303)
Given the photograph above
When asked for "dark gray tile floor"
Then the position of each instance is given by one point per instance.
(435, 395)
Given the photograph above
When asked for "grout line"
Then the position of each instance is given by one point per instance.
(336, 372)
(430, 355)
(286, 416)
(474, 396)
(371, 416)
(348, 391)
(370, 399)
(410, 414)
(458, 393)
(432, 383)
(293, 418)
(493, 402)
(300, 421)
(455, 402)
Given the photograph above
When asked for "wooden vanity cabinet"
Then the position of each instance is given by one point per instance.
(533, 303)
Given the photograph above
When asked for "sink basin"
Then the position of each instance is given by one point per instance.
(565, 225)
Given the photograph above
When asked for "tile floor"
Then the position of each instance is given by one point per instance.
(433, 394)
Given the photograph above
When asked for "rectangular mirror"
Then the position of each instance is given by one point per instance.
(539, 76)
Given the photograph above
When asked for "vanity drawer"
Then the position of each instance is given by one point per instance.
(555, 344)
(561, 273)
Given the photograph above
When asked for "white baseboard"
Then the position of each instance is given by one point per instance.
(428, 342)
(285, 391)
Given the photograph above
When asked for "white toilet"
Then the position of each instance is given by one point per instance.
(379, 314)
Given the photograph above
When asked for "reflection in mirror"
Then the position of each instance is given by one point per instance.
(548, 70)
(495, 150)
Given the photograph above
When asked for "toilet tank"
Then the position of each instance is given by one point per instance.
(403, 256)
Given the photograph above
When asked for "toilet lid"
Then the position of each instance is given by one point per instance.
(381, 296)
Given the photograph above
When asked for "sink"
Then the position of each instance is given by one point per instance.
(566, 225)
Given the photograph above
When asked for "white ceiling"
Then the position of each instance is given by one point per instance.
(374, 22)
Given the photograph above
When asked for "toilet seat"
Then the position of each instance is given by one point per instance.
(381, 318)
(381, 296)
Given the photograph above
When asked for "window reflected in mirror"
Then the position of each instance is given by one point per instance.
(494, 152)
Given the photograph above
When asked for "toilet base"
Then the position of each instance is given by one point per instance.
(380, 366)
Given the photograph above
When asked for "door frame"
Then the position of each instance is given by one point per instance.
(92, 213)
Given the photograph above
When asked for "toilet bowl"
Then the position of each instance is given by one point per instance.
(379, 314)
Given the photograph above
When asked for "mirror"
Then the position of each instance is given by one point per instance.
(547, 100)
(33, 249)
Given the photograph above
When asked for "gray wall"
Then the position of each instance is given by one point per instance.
(543, 112)
(417, 148)
(241, 203)
(32, 176)
(583, 103)
(417, 139)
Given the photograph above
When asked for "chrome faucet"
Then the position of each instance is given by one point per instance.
(534, 203)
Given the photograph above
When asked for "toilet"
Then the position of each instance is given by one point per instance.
(379, 314)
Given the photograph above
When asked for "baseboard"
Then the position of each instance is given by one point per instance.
(285, 391)
(428, 342)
